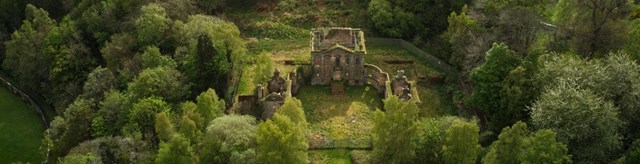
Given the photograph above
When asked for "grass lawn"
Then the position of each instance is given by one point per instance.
(335, 156)
(319, 105)
(21, 130)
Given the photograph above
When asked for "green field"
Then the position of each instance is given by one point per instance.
(21, 130)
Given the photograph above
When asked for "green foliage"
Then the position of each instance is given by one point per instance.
(587, 123)
(164, 82)
(230, 139)
(461, 143)
(98, 82)
(190, 109)
(281, 141)
(490, 79)
(213, 46)
(516, 145)
(70, 129)
(189, 130)
(275, 30)
(177, 150)
(151, 58)
(633, 154)
(263, 69)
(153, 25)
(542, 146)
(112, 115)
(632, 42)
(598, 29)
(292, 108)
(462, 34)
(24, 57)
(210, 106)
(164, 127)
(72, 62)
(430, 137)
(78, 158)
(120, 57)
(143, 117)
(393, 130)
(412, 19)
(516, 22)
(115, 150)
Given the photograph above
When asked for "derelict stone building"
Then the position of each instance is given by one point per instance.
(337, 54)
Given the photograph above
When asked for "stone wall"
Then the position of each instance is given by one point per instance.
(376, 78)
(338, 62)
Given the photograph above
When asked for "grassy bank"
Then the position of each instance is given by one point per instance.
(21, 130)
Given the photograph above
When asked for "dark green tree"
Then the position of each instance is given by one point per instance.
(489, 79)
(24, 57)
(68, 130)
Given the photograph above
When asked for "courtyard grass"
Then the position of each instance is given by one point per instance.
(21, 130)
(334, 156)
(319, 104)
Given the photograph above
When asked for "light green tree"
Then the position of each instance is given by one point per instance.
(176, 150)
(164, 127)
(430, 137)
(230, 139)
(542, 147)
(292, 108)
(392, 131)
(280, 140)
(189, 130)
(509, 146)
(112, 115)
(461, 143)
(632, 42)
(163, 82)
(583, 120)
(142, 118)
(152, 58)
(153, 25)
(210, 106)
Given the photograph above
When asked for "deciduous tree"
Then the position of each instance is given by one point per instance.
(461, 143)
(393, 130)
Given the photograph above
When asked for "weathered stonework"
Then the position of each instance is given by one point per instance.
(337, 54)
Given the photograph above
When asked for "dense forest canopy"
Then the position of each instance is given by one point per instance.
(141, 81)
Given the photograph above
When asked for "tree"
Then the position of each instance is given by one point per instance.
(213, 46)
(292, 108)
(189, 130)
(212, 6)
(69, 130)
(176, 150)
(489, 79)
(263, 68)
(461, 143)
(596, 26)
(430, 137)
(281, 141)
(210, 106)
(119, 55)
(392, 132)
(164, 82)
(153, 25)
(72, 62)
(230, 139)
(24, 58)
(99, 81)
(509, 146)
(78, 158)
(112, 115)
(152, 58)
(190, 109)
(632, 42)
(412, 19)
(542, 147)
(164, 127)
(584, 121)
(516, 22)
(115, 150)
(142, 117)
(464, 33)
